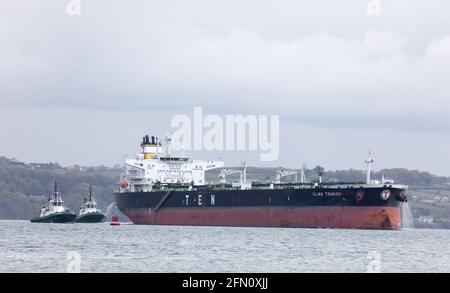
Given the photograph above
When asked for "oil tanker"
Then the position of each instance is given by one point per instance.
(160, 188)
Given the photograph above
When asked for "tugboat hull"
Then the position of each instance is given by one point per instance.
(55, 218)
(91, 218)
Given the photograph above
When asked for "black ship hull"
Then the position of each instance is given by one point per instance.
(319, 207)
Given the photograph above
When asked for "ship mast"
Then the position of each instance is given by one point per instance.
(369, 163)
(90, 193)
(302, 174)
(282, 173)
(244, 173)
(55, 191)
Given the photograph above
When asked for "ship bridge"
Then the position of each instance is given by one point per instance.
(156, 165)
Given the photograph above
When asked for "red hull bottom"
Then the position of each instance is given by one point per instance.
(300, 217)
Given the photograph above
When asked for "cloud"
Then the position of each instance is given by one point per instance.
(326, 67)
(316, 75)
(150, 57)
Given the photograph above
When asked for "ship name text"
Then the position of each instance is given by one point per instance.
(327, 193)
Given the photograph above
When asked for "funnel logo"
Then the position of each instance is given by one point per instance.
(385, 194)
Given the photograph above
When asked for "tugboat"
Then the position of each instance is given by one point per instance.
(54, 211)
(89, 213)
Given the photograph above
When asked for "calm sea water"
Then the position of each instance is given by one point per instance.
(27, 247)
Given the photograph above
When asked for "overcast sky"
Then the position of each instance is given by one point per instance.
(84, 89)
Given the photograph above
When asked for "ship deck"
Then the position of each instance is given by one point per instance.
(269, 186)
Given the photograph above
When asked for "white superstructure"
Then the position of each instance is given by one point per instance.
(89, 206)
(156, 165)
(54, 205)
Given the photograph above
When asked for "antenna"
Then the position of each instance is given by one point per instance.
(369, 163)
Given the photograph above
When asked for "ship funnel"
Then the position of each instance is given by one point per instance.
(149, 147)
